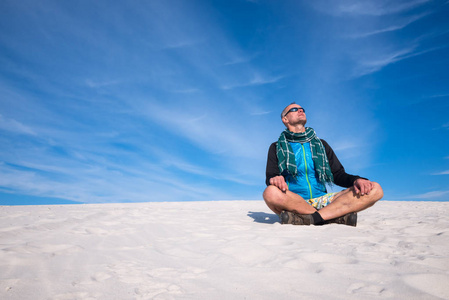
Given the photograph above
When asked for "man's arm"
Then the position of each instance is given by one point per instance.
(272, 164)
(273, 176)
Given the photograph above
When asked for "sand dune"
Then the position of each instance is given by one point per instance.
(221, 250)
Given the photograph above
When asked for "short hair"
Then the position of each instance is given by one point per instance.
(284, 110)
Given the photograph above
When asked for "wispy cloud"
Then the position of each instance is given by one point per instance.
(260, 113)
(257, 79)
(393, 27)
(202, 129)
(181, 44)
(366, 8)
(367, 49)
(442, 173)
(95, 84)
(187, 91)
(377, 61)
(241, 59)
(430, 195)
(437, 96)
(103, 182)
(345, 145)
(12, 125)
(210, 172)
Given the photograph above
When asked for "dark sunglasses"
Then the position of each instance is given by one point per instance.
(293, 109)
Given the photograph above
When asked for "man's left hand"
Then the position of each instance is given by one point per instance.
(363, 187)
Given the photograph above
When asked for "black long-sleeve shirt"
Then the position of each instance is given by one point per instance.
(341, 178)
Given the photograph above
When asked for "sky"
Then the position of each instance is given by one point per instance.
(175, 100)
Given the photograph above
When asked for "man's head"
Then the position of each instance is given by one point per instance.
(293, 115)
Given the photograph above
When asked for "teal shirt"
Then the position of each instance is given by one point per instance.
(306, 183)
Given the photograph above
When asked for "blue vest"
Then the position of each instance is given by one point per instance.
(305, 183)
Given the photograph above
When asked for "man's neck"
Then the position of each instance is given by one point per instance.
(297, 128)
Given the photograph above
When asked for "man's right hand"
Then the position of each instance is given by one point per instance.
(279, 181)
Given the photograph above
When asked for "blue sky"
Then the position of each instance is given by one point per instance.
(135, 101)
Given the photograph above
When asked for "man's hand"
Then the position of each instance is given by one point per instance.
(363, 187)
(279, 181)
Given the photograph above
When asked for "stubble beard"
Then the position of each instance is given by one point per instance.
(302, 122)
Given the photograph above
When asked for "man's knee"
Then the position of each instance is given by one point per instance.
(377, 192)
(272, 198)
(271, 193)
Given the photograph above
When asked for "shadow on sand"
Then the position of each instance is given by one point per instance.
(261, 217)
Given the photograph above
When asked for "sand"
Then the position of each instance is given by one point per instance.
(221, 250)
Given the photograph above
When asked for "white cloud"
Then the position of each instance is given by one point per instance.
(376, 61)
(96, 83)
(442, 173)
(366, 8)
(181, 44)
(242, 59)
(399, 25)
(207, 127)
(430, 195)
(257, 79)
(438, 96)
(368, 63)
(361, 22)
(99, 183)
(344, 145)
(12, 125)
(260, 113)
(187, 91)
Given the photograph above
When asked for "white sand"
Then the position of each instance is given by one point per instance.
(221, 250)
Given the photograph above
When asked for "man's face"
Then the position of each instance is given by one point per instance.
(294, 117)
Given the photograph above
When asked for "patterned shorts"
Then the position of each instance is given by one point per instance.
(322, 201)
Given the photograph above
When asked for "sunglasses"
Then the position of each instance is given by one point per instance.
(293, 109)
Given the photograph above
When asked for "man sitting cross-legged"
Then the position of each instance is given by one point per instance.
(298, 167)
